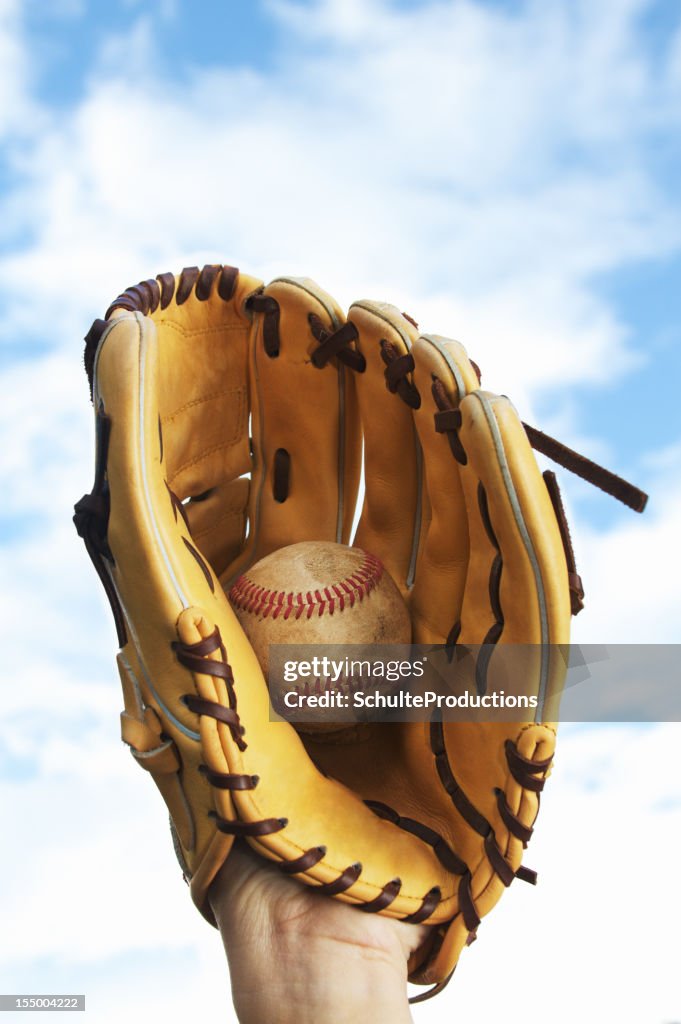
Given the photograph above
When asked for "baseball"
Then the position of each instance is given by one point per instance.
(317, 592)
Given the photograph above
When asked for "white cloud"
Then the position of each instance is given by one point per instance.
(108, 839)
(47, 413)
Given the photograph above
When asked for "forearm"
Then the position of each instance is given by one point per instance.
(312, 982)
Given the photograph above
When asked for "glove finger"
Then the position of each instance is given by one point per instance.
(306, 445)
(202, 334)
(517, 591)
(517, 588)
(389, 524)
(443, 374)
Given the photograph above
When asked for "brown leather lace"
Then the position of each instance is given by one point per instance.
(529, 774)
(336, 344)
(398, 374)
(147, 296)
(260, 303)
(447, 420)
(574, 579)
(590, 471)
(196, 658)
(229, 780)
(248, 829)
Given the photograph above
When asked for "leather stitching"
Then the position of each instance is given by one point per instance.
(201, 401)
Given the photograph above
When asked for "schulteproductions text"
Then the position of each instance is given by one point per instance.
(297, 699)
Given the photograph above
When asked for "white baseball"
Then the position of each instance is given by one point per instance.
(317, 592)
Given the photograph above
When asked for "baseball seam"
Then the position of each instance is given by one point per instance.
(256, 600)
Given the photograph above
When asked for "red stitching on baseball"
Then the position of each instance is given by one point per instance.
(248, 596)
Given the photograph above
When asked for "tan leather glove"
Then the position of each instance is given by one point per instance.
(230, 420)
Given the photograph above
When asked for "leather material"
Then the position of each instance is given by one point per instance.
(200, 396)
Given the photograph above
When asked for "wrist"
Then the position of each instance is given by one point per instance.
(312, 978)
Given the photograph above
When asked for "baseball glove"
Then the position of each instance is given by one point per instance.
(230, 421)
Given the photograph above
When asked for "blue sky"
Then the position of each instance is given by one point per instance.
(164, 49)
(189, 36)
(508, 173)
